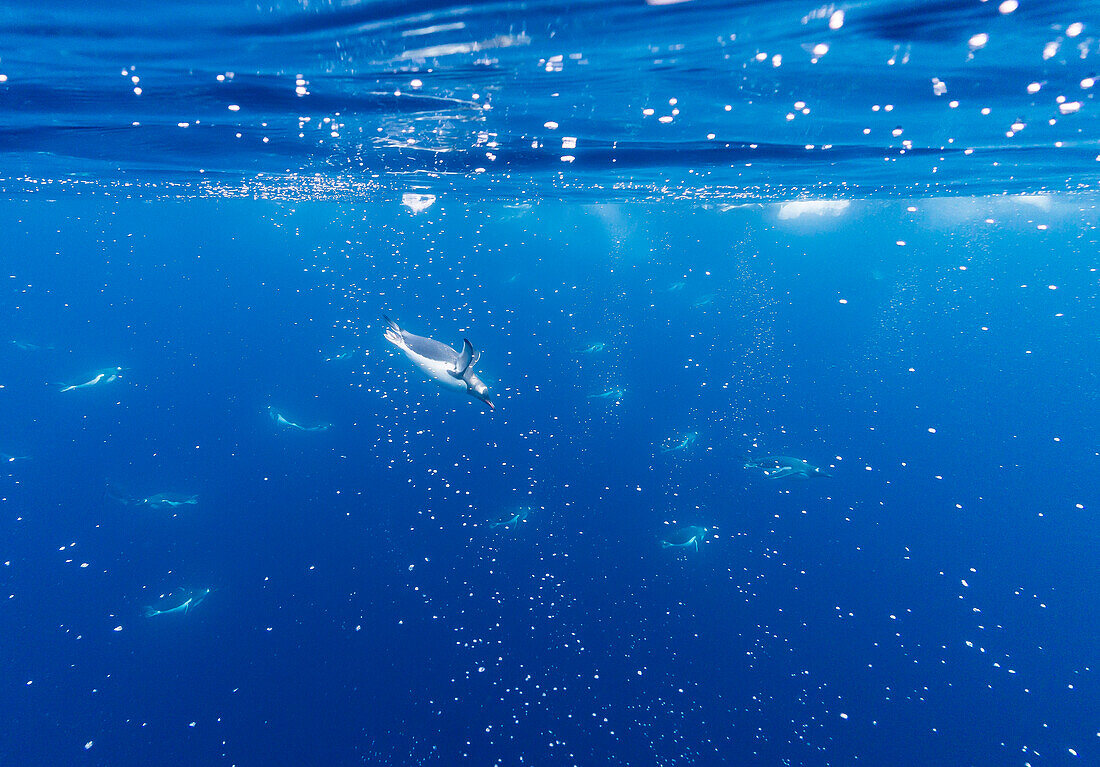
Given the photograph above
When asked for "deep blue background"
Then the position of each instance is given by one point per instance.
(357, 588)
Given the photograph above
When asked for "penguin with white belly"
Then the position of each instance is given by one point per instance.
(450, 369)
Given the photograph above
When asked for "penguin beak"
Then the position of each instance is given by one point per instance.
(489, 402)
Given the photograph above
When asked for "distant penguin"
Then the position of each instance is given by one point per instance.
(512, 518)
(110, 375)
(685, 537)
(450, 369)
(783, 467)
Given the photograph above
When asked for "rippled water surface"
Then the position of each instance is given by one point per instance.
(589, 100)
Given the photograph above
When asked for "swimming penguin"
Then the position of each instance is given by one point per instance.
(450, 369)
(286, 423)
(168, 500)
(690, 536)
(158, 501)
(194, 599)
(110, 375)
(27, 346)
(672, 444)
(615, 394)
(511, 518)
(783, 466)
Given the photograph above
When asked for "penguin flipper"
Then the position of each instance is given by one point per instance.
(466, 358)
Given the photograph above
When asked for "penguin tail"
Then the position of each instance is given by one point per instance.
(392, 332)
(666, 545)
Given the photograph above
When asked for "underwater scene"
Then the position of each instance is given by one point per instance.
(632, 382)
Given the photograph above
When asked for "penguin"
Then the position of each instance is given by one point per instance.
(110, 375)
(285, 422)
(450, 369)
(691, 536)
(783, 466)
(169, 500)
(672, 444)
(512, 518)
(158, 501)
(194, 599)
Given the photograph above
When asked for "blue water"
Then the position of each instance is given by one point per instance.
(887, 285)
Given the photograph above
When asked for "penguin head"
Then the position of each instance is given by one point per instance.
(478, 390)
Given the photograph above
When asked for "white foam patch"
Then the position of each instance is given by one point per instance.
(1040, 201)
(417, 202)
(798, 208)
